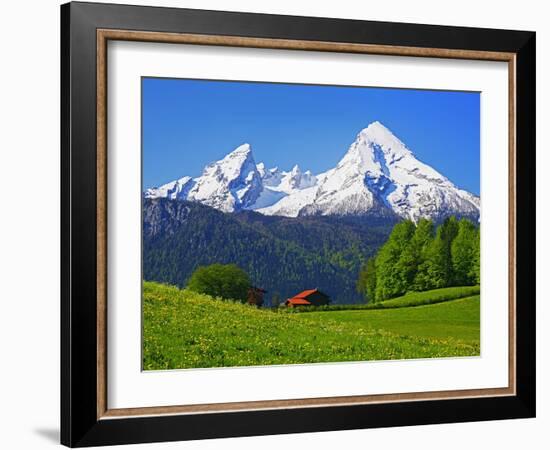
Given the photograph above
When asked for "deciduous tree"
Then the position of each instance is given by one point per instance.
(227, 281)
(389, 269)
(463, 254)
(366, 284)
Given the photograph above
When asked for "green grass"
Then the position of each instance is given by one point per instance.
(456, 319)
(409, 299)
(183, 329)
(430, 297)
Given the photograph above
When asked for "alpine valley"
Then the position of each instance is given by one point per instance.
(290, 229)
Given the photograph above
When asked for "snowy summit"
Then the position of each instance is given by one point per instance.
(378, 176)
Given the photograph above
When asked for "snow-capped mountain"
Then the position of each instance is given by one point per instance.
(231, 184)
(378, 176)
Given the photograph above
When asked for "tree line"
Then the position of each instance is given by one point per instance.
(422, 257)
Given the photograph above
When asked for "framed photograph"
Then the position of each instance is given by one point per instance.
(276, 224)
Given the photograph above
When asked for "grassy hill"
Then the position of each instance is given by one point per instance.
(182, 329)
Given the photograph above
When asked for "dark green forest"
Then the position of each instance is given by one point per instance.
(422, 257)
(281, 255)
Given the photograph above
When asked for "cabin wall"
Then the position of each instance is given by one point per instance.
(318, 299)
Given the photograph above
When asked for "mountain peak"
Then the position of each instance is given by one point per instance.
(242, 150)
(229, 184)
(239, 160)
(296, 170)
(378, 175)
(379, 139)
(377, 125)
(379, 134)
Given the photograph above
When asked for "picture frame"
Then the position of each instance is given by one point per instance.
(86, 418)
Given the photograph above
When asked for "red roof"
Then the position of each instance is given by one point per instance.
(298, 301)
(305, 294)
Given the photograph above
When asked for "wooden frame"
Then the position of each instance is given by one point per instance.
(86, 418)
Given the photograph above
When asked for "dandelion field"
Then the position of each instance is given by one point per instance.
(183, 329)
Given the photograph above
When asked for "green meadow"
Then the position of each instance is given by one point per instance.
(184, 329)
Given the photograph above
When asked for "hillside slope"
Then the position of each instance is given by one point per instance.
(182, 329)
(282, 255)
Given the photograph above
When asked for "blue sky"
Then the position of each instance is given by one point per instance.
(190, 123)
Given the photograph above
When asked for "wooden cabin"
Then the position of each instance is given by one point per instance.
(256, 296)
(309, 297)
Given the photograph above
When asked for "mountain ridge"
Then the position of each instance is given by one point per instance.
(378, 176)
